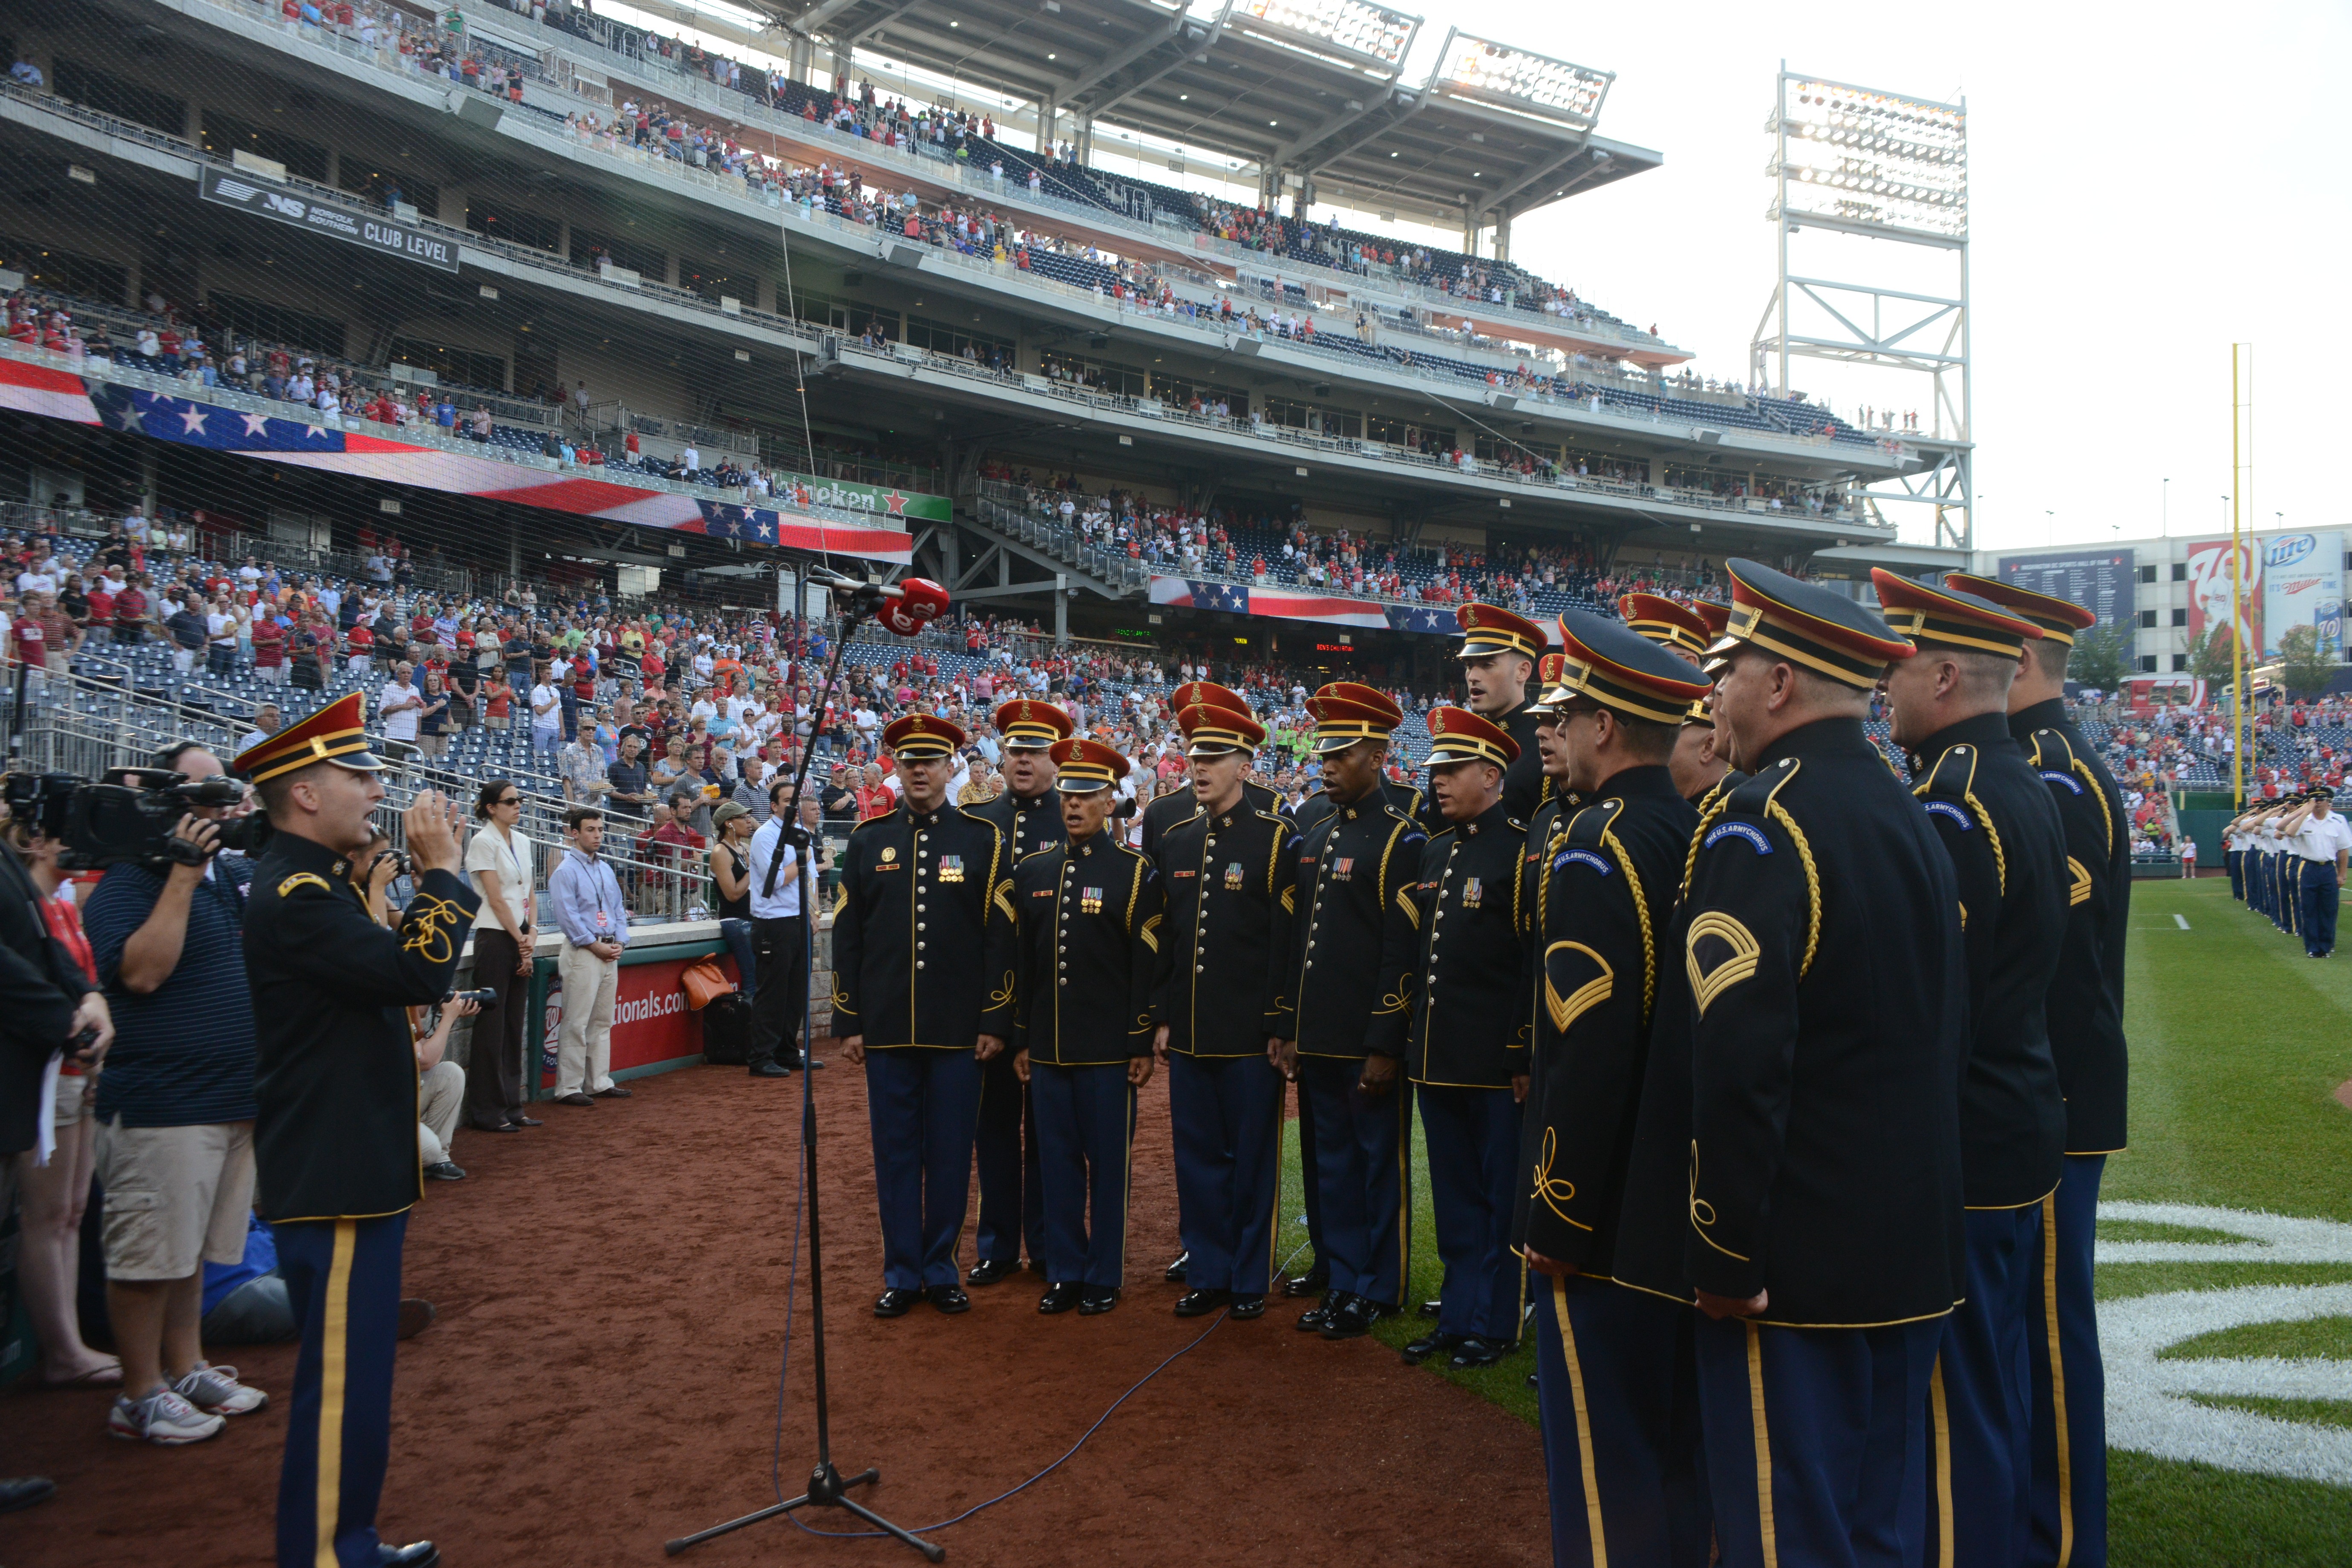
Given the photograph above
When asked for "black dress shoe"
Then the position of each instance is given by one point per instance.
(445, 1172)
(416, 1555)
(520, 1121)
(1476, 1351)
(948, 1298)
(1315, 1316)
(24, 1491)
(501, 1127)
(1430, 1308)
(1175, 1275)
(576, 1097)
(989, 1270)
(1096, 1301)
(1314, 1282)
(1531, 1381)
(1428, 1345)
(615, 1092)
(897, 1302)
(1350, 1319)
(770, 1070)
(1248, 1306)
(1059, 1299)
(414, 1317)
(1201, 1303)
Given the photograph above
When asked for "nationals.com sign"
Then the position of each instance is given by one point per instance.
(651, 1021)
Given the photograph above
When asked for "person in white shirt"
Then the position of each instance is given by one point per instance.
(399, 703)
(266, 724)
(32, 581)
(779, 934)
(546, 720)
(2322, 839)
(498, 858)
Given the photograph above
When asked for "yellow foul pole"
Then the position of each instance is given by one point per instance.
(2242, 727)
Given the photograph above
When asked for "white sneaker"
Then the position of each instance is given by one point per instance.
(161, 1418)
(216, 1389)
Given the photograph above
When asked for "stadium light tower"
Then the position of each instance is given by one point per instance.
(1856, 163)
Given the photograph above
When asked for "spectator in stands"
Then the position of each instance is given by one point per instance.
(596, 924)
(546, 720)
(185, 627)
(400, 704)
(266, 724)
(175, 1109)
(582, 768)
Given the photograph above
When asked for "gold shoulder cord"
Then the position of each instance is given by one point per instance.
(1699, 836)
(1641, 910)
(1779, 814)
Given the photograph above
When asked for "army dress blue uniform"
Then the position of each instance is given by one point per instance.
(1012, 1211)
(335, 1147)
(1814, 1157)
(923, 956)
(1228, 883)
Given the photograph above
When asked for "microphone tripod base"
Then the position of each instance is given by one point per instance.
(828, 1488)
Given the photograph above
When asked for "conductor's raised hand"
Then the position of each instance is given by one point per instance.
(432, 832)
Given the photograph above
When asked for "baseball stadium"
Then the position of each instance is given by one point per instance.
(1035, 660)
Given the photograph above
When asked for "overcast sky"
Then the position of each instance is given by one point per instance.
(2147, 184)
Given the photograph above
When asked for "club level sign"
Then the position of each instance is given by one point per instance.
(264, 198)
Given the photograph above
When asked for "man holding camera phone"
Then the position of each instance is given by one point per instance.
(336, 1138)
(176, 1113)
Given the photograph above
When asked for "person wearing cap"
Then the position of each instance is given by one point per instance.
(923, 958)
(1227, 872)
(1090, 916)
(1346, 957)
(1404, 797)
(2085, 1013)
(1685, 630)
(2318, 837)
(1795, 1161)
(1948, 709)
(1673, 625)
(1464, 1041)
(1620, 1411)
(335, 1142)
(1029, 814)
(1498, 656)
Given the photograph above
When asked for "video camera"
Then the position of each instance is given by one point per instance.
(129, 815)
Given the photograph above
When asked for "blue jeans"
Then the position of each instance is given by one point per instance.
(737, 935)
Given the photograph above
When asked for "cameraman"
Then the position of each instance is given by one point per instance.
(176, 1110)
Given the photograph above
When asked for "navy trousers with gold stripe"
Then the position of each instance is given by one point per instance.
(1619, 1392)
(1311, 1180)
(1816, 1442)
(1011, 1195)
(1085, 1144)
(2069, 1503)
(1359, 1156)
(1979, 1416)
(1225, 1114)
(922, 1105)
(1473, 1138)
(342, 1278)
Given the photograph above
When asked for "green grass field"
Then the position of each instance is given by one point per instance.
(2238, 1044)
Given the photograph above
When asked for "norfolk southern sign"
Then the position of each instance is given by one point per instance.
(266, 198)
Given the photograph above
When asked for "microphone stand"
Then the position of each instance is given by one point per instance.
(828, 1487)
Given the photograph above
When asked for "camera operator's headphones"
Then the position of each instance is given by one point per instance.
(167, 756)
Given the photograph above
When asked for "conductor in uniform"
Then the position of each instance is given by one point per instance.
(2085, 1016)
(1226, 872)
(1028, 813)
(1613, 1373)
(1090, 913)
(1949, 706)
(923, 955)
(1809, 1176)
(1465, 1040)
(335, 1078)
(1347, 957)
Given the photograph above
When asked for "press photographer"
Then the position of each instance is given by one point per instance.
(175, 1105)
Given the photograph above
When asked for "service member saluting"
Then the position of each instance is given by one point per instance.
(335, 1142)
(1620, 1411)
(1812, 1172)
(1090, 913)
(1347, 956)
(1466, 1045)
(1949, 710)
(923, 955)
(1029, 814)
(1227, 874)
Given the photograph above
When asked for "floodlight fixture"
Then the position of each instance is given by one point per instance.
(1875, 159)
(1354, 26)
(1522, 80)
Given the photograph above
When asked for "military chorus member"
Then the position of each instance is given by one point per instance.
(2085, 1015)
(923, 957)
(1614, 1371)
(1027, 811)
(2317, 835)
(1347, 956)
(1227, 874)
(1464, 1041)
(1090, 913)
(1178, 806)
(1948, 709)
(1795, 1161)
(335, 1077)
(1686, 630)
(1498, 655)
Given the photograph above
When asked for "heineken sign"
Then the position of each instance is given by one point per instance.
(891, 506)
